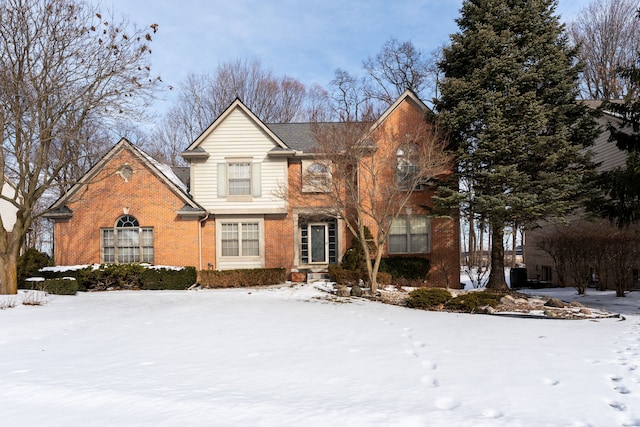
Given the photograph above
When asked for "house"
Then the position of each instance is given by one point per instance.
(247, 205)
(540, 265)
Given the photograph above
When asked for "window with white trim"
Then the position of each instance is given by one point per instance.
(126, 242)
(239, 179)
(407, 167)
(410, 234)
(240, 239)
(316, 176)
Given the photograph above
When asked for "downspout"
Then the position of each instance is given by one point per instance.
(200, 225)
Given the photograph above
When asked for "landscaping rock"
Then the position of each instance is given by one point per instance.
(342, 291)
(586, 311)
(356, 291)
(555, 302)
(507, 300)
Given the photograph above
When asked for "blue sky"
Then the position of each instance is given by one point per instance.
(305, 39)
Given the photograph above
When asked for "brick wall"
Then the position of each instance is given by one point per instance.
(143, 195)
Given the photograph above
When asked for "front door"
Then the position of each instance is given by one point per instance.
(318, 243)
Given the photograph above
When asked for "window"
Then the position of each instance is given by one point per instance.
(240, 239)
(410, 234)
(316, 177)
(407, 169)
(127, 242)
(239, 179)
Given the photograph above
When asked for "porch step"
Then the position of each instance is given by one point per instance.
(317, 277)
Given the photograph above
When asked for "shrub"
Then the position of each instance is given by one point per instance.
(469, 303)
(112, 276)
(342, 276)
(242, 277)
(168, 279)
(405, 267)
(58, 286)
(428, 298)
(384, 279)
(29, 263)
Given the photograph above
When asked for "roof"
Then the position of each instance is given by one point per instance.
(297, 136)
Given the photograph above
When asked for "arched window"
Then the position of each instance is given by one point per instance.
(316, 176)
(126, 242)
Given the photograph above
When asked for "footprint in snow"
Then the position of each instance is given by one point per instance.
(550, 382)
(447, 403)
(491, 413)
(622, 389)
(430, 381)
(615, 378)
(618, 406)
(429, 365)
(412, 352)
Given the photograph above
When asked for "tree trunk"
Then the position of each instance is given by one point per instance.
(8, 275)
(496, 275)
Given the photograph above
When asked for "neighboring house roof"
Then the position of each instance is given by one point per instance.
(164, 172)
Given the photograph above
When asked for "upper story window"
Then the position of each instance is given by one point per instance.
(239, 179)
(407, 167)
(316, 176)
(126, 242)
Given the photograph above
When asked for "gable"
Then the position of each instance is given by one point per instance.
(232, 115)
(118, 162)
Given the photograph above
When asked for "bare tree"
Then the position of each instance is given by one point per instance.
(349, 102)
(399, 66)
(203, 97)
(585, 250)
(64, 67)
(375, 174)
(608, 34)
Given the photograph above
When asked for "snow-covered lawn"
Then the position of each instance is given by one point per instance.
(288, 356)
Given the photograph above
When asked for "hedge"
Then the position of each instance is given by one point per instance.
(126, 276)
(57, 286)
(405, 267)
(242, 277)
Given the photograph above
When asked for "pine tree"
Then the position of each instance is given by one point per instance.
(508, 99)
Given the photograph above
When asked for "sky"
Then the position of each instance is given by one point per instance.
(304, 39)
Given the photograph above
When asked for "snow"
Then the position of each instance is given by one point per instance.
(296, 355)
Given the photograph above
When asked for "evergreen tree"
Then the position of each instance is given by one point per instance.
(508, 99)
